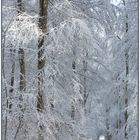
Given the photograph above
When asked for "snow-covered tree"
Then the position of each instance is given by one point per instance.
(78, 62)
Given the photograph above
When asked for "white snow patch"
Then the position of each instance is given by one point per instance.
(102, 137)
(91, 9)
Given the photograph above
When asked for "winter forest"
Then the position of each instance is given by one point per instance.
(69, 69)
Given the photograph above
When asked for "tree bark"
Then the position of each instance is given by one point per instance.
(126, 93)
(72, 104)
(12, 51)
(20, 10)
(6, 90)
(109, 136)
(43, 10)
(22, 83)
(74, 70)
(85, 79)
(126, 76)
(20, 7)
(22, 70)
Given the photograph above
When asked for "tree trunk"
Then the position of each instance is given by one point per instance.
(20, 10)
(85, 80)
(4, 131)
(119, 118)
(109, 136)
(12, 51)
(22, 83)
(72, 111)
(22, 70)
(72, 104)
(20, 7)
(43, 9)
(126, 93)
(126, 76)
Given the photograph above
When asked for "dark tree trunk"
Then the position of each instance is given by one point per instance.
(109, 136)
(22, 83)
(85, 79)
(126, 76)
(22, 70)
(20, 10)
(126, 93)
(20, 7)
(73, 69)
(43, 10)
(12, 52)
